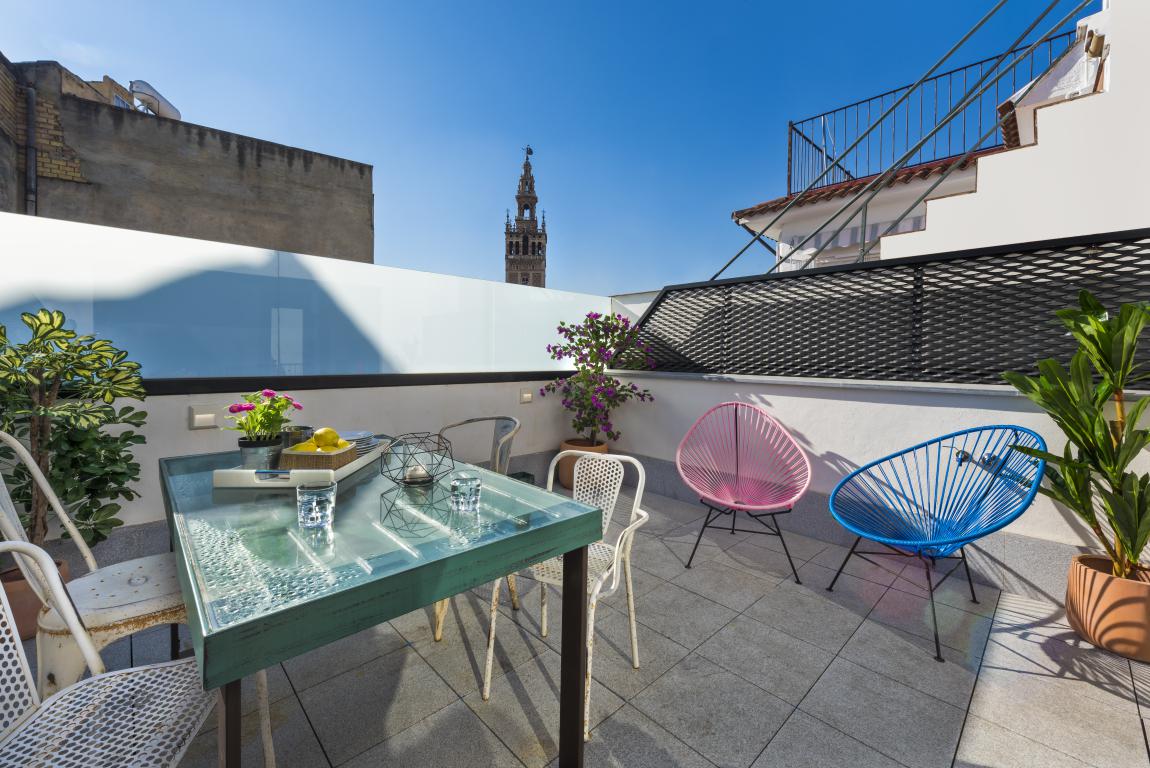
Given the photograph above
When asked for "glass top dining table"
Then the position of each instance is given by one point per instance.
(260, 589)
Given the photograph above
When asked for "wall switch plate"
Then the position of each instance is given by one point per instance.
(201, 417)
(525, 396)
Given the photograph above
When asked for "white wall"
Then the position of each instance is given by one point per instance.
(1085, 175)
(843, 425)
(391, 410)
(194, 308)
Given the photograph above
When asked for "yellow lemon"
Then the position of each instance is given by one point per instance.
(342, 443)
(305, 446)
(325, 436)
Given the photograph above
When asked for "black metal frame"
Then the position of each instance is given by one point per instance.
(929, 563)
(220, 384)
(960, 316)
(772, 529)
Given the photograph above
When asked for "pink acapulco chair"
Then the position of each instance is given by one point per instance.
(739, 459)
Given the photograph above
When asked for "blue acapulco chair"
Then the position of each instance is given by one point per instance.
(931, 499)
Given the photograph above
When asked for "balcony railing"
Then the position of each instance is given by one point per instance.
(815, 143)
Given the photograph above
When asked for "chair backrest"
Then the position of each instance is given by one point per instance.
(504, 430)
(598, 480)
(944, 492)
(11, 528)
(738, 455)
(17, 686)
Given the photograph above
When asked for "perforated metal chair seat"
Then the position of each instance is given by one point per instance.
(145, 716)
(144, 591)
(600, 558)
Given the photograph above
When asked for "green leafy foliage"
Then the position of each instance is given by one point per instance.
(1092, 476)
(57, 394)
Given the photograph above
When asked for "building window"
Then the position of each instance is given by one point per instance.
(525, 279)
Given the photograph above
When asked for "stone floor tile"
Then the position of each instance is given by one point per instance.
(1052, 700)
(718, 533)
(915, 729)
(759, 561)
(295, 742)
(524, 709)
(461, 655)
(909, 659)
(767, 657)
(883, 570)
(453, 737)
(851, 592)
(807, 614)
(955, 591)
(683, 616)
(805, 742)
(667, 514)
(338, 657)
(986, 745)
(355, 711)
(959, 629)
(717, 713)
(630, 739)
(736, 589)
(611, 656)
(1017, 612)
(801, 547)
(667, 559)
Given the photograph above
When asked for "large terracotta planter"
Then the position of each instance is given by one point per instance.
(1108, 611)
(25, 604)
(567, 464)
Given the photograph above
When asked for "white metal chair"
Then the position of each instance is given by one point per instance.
(505, 428)
(598, 480)
(112, 602)
(144, 716)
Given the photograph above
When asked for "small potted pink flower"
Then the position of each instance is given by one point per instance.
(261, 416)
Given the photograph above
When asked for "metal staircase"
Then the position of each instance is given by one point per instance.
(877, 149)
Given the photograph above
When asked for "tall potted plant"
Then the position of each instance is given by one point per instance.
(590, 394)
(57, 395)
(1106, 595)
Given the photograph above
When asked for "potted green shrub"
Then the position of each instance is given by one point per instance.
(591, 394)
(58, 393)
(1107, 595)
(262, 417)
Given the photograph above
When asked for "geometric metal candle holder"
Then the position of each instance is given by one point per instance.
(417, 458)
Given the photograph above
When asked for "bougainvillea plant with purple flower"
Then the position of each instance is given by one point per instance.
(262, 415)
(598, 343)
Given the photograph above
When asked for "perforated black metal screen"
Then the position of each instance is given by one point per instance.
(955, 318)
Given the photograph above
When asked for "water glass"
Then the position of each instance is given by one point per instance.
(465, 491)
(315, 503)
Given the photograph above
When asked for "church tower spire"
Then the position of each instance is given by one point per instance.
(525, 253)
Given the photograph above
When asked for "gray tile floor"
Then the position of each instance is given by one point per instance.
(740, 666)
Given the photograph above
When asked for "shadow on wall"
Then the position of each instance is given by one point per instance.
(241, 320)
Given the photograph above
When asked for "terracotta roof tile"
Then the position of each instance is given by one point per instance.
(846, 188)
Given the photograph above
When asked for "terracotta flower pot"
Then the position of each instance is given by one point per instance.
(25, 604)
(567, 464)
(1108, 611)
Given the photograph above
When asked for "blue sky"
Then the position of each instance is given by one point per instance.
(651, 121)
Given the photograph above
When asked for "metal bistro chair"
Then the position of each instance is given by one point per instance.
(114, 601)
(930, 500)
(144, 716)
(598, 480)
(738, 458)
(505, 428)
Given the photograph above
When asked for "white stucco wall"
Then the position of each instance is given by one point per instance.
(390, 410)
(843, 424)
(1085, 175)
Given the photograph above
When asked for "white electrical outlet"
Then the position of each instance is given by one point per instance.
(525, 396)
(201, 417)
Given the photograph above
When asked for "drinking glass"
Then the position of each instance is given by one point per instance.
(465, 490)
(315, 503)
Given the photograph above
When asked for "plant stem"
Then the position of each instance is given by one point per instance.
(1121, 567)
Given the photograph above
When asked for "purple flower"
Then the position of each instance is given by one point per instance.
(235, 408)
(610, 392)
(269, 393)
(608, 426)
(247, 406)
(542, 391)
(296, 405)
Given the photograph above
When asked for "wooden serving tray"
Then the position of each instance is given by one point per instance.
(288, 479)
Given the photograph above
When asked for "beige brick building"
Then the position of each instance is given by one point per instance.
(101, 160)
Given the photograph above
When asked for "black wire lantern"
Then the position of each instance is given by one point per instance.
(417, 458)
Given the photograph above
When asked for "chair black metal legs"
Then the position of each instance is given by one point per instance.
(929, 564)
(770, 529)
